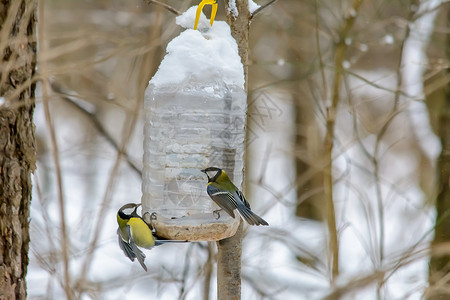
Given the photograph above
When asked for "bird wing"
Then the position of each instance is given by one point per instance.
(126, 248)
(224, 199)
(241, 196)
(139, 254)
(235, 200)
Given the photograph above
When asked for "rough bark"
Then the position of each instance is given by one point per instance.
(240, 26)
(17, 145)
(229, 252)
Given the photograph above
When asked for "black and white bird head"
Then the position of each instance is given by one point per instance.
(129, 209)
(213, 173)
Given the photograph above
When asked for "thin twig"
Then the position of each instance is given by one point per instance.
(98, 125)
(259, 9)
(380, 87)
(186, 270)
(166, 6)
(340, 52)
(208, 270)
(126, 136)
(375, 163)
(47, 227)
(255, 283)
(357, 283)
(265, 162)
(56, 160)
(319, 52)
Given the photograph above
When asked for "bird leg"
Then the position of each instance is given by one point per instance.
(216, 213)
(153, 217)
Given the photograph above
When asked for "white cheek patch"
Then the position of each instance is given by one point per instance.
(128, 211)
(211, 174)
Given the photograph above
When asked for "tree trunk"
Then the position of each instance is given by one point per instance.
(229, 251)
(310, 194)
(440, 264)
(17, 145)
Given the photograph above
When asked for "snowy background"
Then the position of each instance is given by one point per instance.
(100, 56)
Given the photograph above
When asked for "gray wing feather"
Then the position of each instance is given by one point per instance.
(241, 196)
(250, 217)
(235, 200)
(223, 199)
(139, 254)
(126, 248)
(244, 210)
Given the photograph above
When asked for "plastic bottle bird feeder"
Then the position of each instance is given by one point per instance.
(195, 109)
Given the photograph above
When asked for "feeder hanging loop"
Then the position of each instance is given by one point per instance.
(213, 3)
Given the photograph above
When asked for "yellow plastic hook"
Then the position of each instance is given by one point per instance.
(199, 10)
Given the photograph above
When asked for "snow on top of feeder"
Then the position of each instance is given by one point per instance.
(203, 54)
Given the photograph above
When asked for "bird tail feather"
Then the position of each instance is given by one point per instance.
(250, 217)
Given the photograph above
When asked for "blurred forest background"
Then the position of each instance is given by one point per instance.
(348, 108)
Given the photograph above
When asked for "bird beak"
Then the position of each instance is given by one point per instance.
(204, 171)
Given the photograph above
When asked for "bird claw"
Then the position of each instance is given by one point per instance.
(153, 217)
(213, 3)
(216, 214)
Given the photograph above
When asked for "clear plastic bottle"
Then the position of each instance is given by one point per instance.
(188, 127)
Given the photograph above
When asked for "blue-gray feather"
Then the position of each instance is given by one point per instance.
(139, 254)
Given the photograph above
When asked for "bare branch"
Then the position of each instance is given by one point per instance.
(261, 8)
(111, 184)
(339, 56)
(357, 283)
(166, 6)
(56, 159)
(97, 126)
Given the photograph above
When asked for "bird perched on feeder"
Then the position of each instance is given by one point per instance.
(133, 232)
(213, 3)
(228, 197)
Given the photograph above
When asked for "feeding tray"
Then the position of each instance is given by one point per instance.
(195, 228)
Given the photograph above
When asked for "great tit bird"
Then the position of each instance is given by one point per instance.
(225, 194)
(133, 232)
